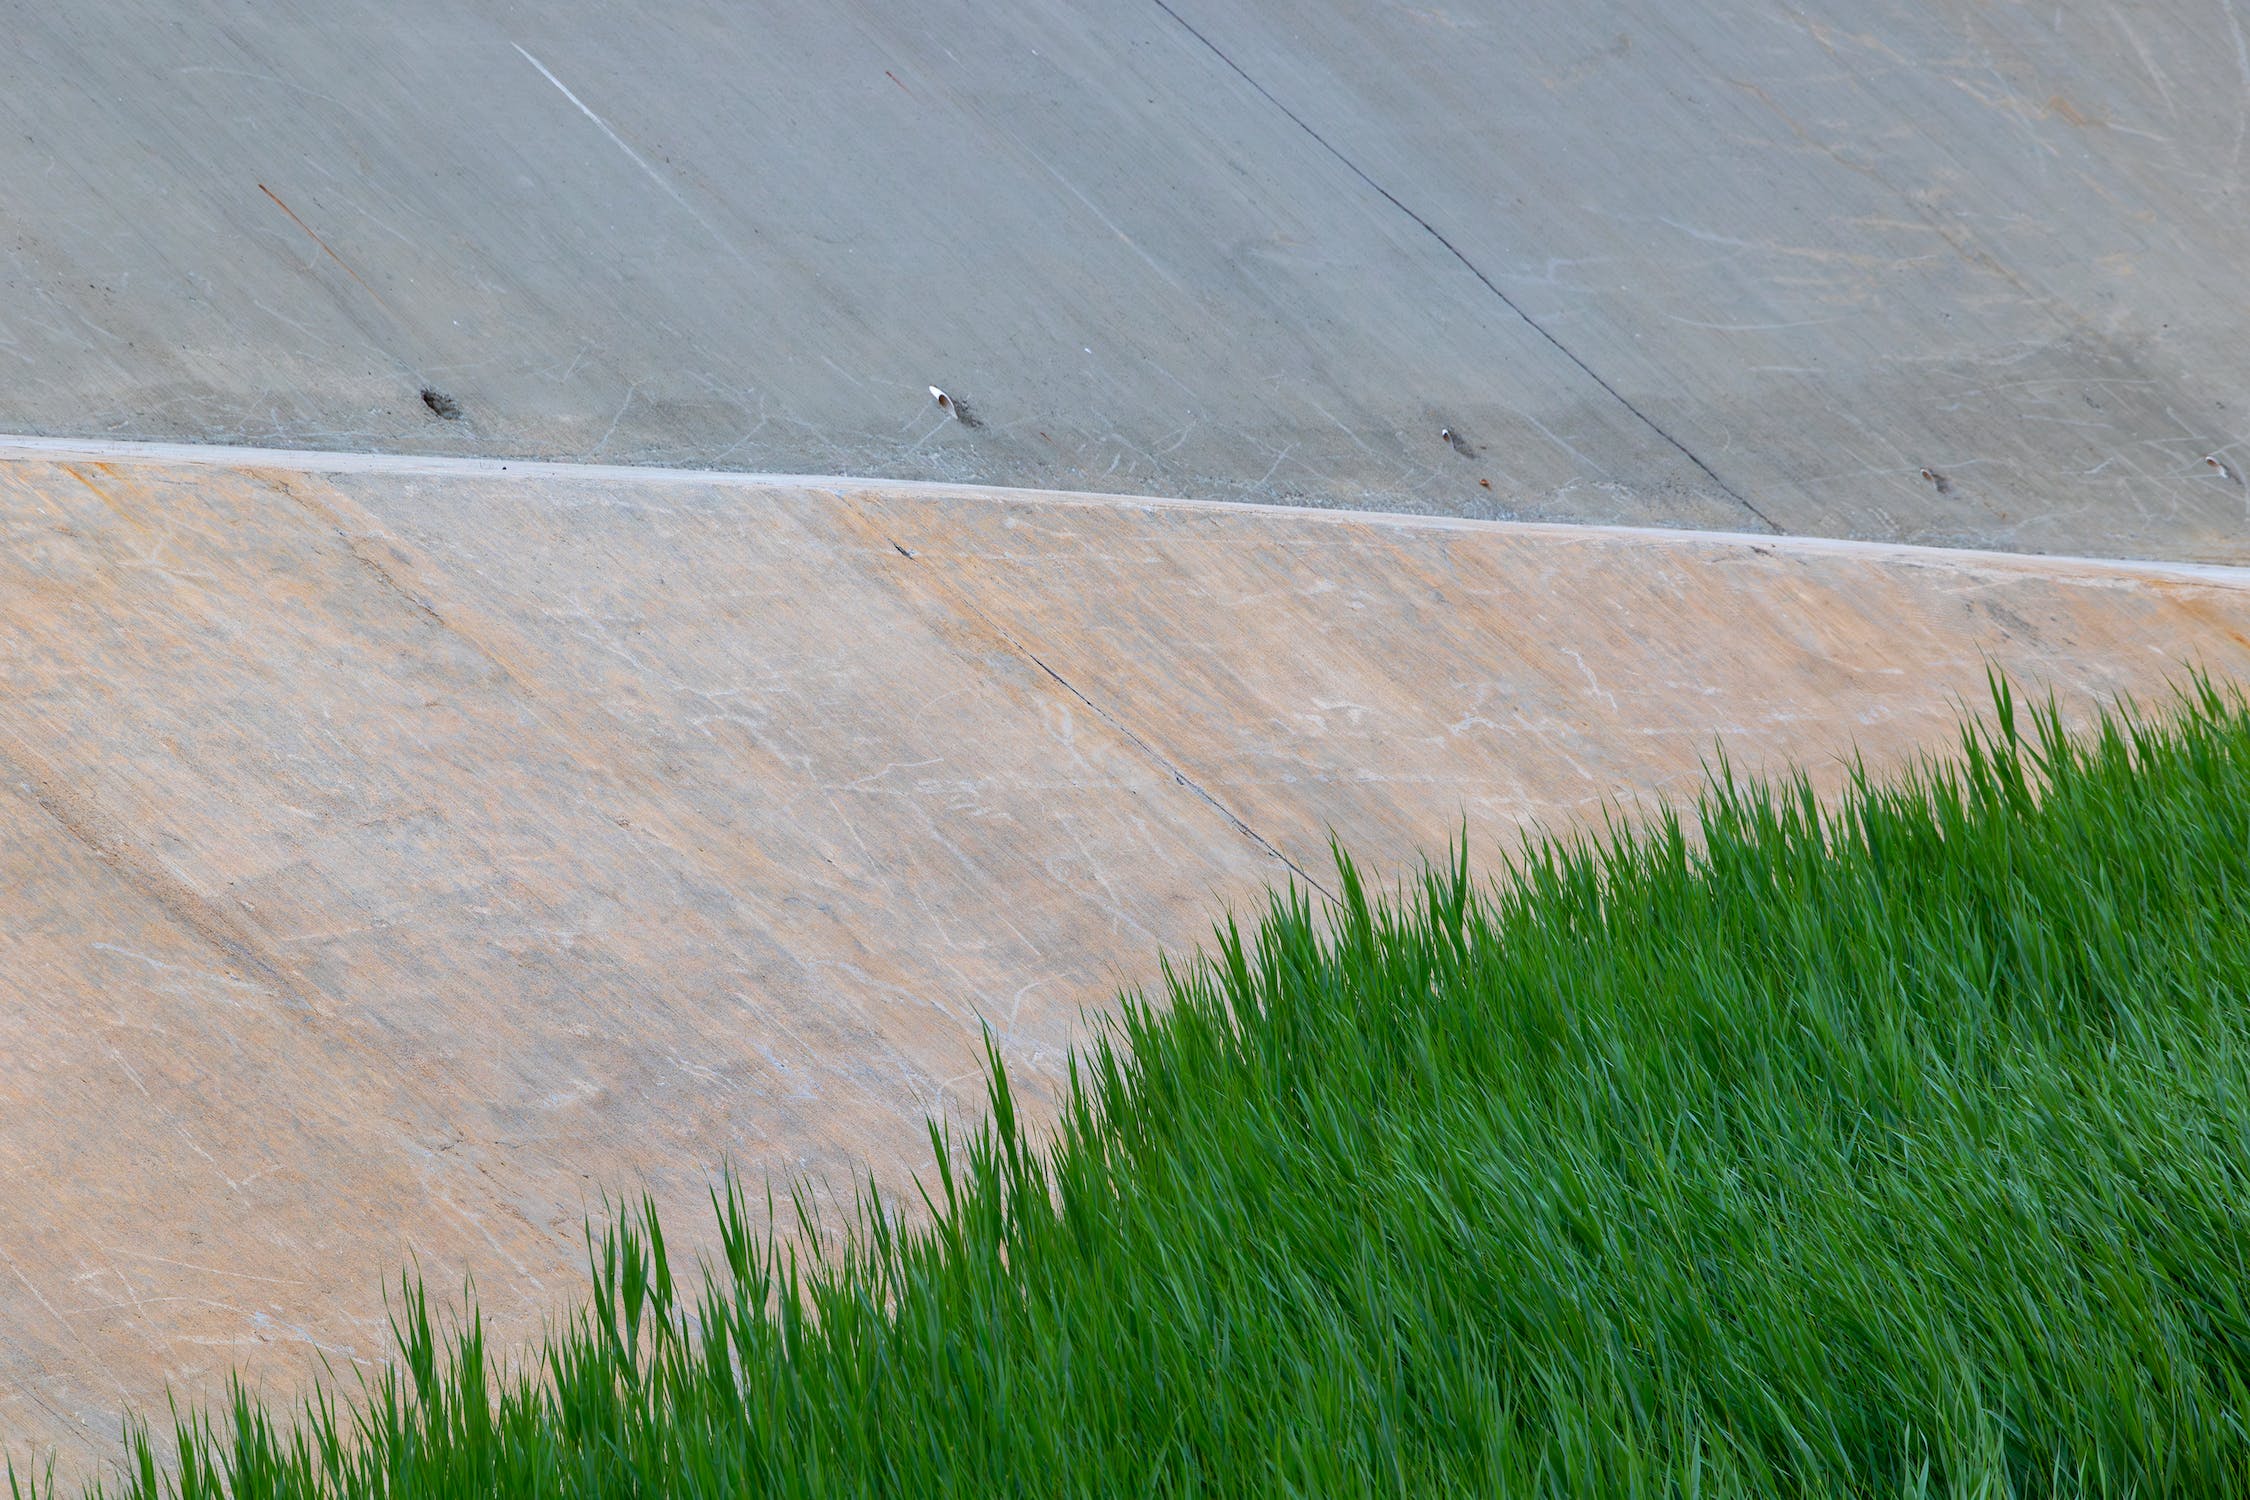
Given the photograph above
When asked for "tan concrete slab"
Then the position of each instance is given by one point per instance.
(397, 854)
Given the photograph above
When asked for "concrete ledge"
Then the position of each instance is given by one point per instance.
(441, 466)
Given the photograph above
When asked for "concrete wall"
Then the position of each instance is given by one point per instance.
(395, 860)
(1729, 263)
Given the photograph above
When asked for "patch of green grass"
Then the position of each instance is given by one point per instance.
(1900, 1147)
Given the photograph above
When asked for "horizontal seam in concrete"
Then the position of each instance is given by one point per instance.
(448, 466)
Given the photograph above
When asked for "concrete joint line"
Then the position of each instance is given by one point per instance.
(1155, 756)
(1790, 545)
(1474, 270)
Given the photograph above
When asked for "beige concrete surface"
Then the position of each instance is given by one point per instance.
(394, 859)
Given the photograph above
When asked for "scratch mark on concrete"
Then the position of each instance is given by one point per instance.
(2242, 67)
(33, 1288)
(316, 239)
(637, 159)
(1107, 222)
(1759, 327)
(164, 1260)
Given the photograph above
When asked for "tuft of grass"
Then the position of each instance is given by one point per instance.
(1900, 1147)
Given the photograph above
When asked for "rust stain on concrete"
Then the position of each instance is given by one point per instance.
(395, 862)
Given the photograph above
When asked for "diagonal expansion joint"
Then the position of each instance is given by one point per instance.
(1155, 756)
(1475, 270)
(1179, 776)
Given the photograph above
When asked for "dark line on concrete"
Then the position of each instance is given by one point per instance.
(1489, 285)
(238, 945)
(199, 914)
(1177, 775)
(316, 239)
(1156, 756)
(328, 518)
(359, 550)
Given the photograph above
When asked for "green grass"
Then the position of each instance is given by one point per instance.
(1901, 1147)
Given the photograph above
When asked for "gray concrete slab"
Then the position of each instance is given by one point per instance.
(1717, 263)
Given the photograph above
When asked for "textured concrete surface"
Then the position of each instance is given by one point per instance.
(1686, 262)
(396, 858)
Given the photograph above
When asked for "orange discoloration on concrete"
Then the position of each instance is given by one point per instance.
(394, 863)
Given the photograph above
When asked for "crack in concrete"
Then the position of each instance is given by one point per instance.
(1162, 761)
(1155, 756)
(1474, 270)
